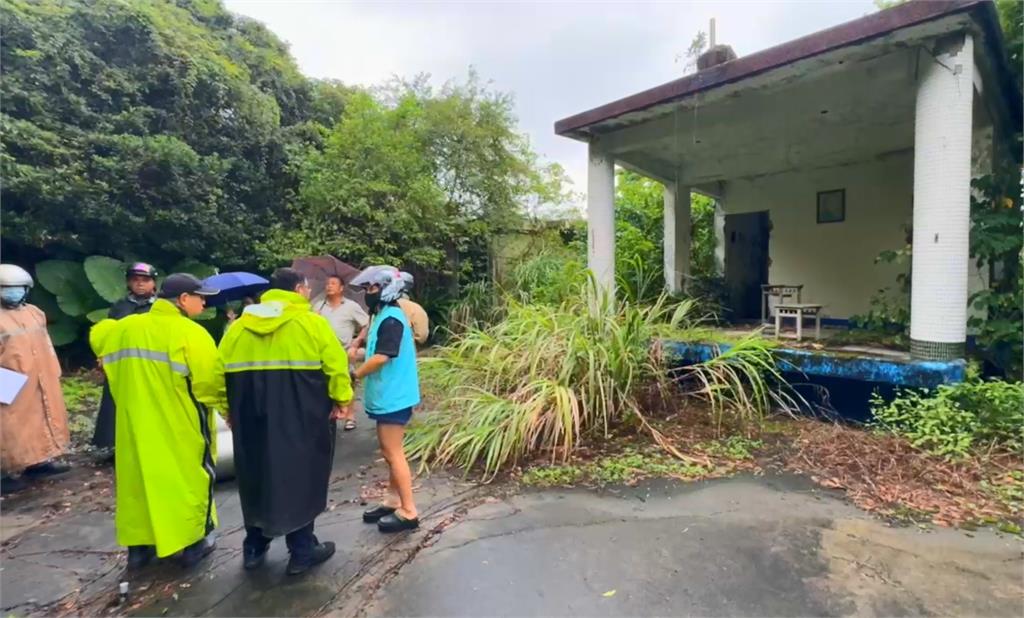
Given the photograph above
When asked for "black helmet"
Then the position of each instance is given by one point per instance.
(142, 269)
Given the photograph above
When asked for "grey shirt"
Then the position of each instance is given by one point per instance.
(347, 319)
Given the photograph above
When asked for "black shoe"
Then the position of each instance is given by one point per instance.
(253, 559)
(396, 523)
(320, 554)
(373, 515)
(48, 468)
(11, 485)
(139, 556)
(194, 553)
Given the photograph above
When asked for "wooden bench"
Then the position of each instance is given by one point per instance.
(780, 292)
(798, 311)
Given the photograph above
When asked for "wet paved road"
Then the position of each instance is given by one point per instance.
(748, 546)
(742, 546)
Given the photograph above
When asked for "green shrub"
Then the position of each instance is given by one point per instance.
(74, 295)
(548, 278)
(82, 398)
(479, 304)
(997, 245)
(639, 281)
(545, 377)
(627, 467)
(954, 419)
(734, 447)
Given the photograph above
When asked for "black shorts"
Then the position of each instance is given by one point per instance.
(400, 417)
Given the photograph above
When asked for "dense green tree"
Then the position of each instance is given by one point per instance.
(1011, 18)
(154, 128)
(416, 176)
(639, 234)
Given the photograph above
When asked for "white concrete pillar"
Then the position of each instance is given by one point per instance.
(601, 219)
(942, 207)
(676, 236)
(719, 238)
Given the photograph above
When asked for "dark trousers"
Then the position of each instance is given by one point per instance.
(300, 542)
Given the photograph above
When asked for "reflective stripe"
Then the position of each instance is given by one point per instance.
(208, 465)
(153, 355)
(308, 364)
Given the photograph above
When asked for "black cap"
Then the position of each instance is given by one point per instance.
(183, 283)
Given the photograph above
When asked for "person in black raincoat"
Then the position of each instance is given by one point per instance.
(140, 279)
(287, 383)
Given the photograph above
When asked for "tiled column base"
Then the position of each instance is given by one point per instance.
(937, 351)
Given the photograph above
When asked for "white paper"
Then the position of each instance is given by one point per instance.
(11, 383)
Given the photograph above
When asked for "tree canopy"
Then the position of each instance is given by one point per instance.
(145, 127)
(415, 176)
(171, 129)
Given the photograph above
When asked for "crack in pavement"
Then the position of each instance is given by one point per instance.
(376, 570)
(67, 552)
(49, 608)
(206, 612)
(600, 522)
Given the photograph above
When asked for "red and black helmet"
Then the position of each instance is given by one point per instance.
(141, 269)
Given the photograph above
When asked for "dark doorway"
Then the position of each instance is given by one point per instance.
(746, 262)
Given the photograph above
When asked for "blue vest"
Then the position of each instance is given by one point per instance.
(396, 386)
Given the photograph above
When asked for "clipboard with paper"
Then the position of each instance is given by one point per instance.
(11, 383)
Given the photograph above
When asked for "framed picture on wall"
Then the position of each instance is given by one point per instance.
(832, 206)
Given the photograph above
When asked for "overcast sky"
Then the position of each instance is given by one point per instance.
(557, 58)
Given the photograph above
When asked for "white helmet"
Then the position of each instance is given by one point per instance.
(409, 281)
(14, 276)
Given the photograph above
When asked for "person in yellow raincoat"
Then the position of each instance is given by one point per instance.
(34, 426)
(166, 380)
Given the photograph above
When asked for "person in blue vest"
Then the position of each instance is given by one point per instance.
(391, 391)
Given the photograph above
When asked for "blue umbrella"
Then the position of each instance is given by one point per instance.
(234, 286)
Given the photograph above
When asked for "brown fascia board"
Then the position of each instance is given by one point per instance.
(850, 33)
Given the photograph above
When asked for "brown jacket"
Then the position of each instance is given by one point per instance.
(34, 428)
(418, 319)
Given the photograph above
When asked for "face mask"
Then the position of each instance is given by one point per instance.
(13, 296)
(373, 300)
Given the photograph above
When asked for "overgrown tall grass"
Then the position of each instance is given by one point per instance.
(547, 376)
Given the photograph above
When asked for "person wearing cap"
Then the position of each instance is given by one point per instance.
(166, 381)
(34, 425)
(391, 392)
(140, 278)
(287, 384)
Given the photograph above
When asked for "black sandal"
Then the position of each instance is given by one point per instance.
(396, 523)
(373, 515)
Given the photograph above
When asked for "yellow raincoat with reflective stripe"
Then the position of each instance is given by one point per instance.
(166, 381)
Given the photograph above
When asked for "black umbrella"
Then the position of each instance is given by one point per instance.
(318, 268)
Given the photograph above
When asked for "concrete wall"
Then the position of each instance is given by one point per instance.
(834, 261)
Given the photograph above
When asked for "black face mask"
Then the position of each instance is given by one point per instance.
(373, 301)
